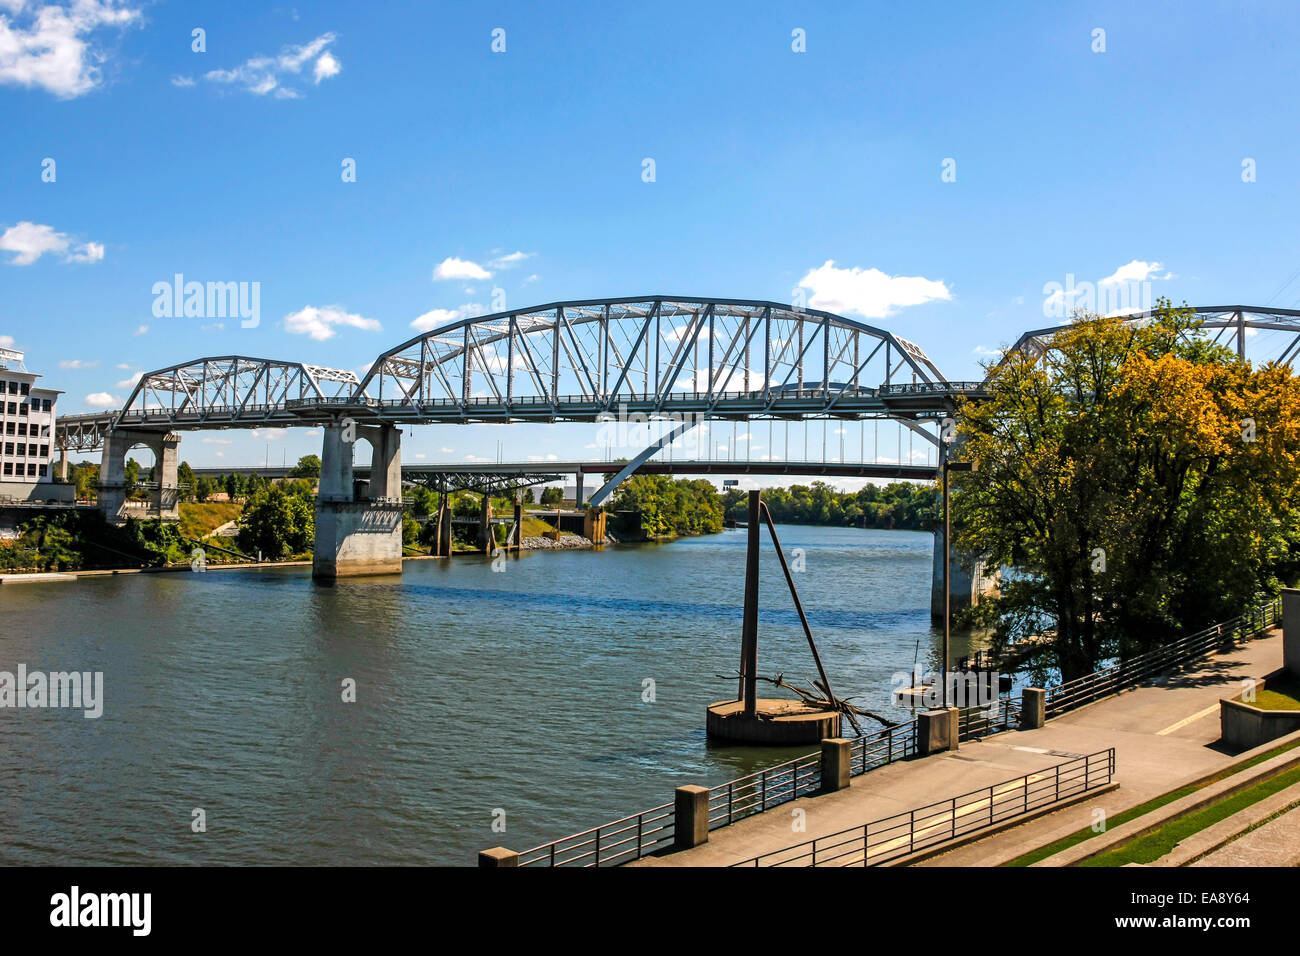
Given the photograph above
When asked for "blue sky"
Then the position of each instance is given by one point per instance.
(773, 169)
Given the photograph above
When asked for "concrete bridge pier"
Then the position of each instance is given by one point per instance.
(969, 583)
(442, 530)
(112, 489)
(358, 535)
(517, 542)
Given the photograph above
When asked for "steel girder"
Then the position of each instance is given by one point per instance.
(497, 484)
(651, 354)
(1234, 325)
(233, 389)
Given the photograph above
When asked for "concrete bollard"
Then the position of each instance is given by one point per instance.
(690, 816)
(836, 760)
(1291, 631)
(1033, 708)
(937, 730)
(498, 856)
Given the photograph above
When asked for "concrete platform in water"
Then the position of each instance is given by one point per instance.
(777, 721)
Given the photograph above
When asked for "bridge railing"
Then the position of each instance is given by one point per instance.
(1135, 670)
(902, 834)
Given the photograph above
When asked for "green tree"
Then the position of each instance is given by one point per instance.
(1118, 481)
(308, 467)
(185, 477)
(553, 495)
(276, 524)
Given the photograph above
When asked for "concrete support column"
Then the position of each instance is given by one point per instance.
(335, 466)
(111, 492)
(518, 542)
(63, 463)
(166, 498)
(577, 494)
(498, 856)
(486, 539)
(1033, 708)
(690, 816)
(385, 460)
(937, 730)
(836, 763)
(1291, 631)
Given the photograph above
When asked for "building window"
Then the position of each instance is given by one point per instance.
(31, 451)
(31, 469)
(12, 408)
(45, 404)
(13, 388)
(22, 409)
(9, 448)
(45, 451)
(24, 389)
(9, 428)
(9, 468)
(44, 470)
(22, 428)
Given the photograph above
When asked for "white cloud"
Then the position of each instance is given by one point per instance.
(532, 278)
(6, 341)
(265, 74)
(476, 458)
(215, 441)
(141, 330)
(868, 292)
(28, 241)
(131, 382)
(270, 434)
(326, 66)
(101, 400)
(1135, 271)
(183, 81)
(513, 259)
(985, 352)
(49, 46)
(77, 363)
(434, 318)
(446, 451)
(320, 323)
(453, 268)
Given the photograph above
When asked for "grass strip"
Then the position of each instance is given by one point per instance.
(1074, 839)
(1154, 845)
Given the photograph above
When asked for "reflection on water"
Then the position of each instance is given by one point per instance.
(476, 691)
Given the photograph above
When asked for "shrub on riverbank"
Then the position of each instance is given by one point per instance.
(73, 540)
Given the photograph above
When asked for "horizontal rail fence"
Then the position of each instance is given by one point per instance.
(632, 837)
(902, 834)
(1135, 670)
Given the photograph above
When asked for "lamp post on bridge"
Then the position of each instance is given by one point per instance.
(947, 563)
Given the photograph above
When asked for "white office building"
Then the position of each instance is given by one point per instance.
(27, 414)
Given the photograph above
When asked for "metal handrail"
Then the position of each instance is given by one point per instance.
(902, 834)
(1132, 671)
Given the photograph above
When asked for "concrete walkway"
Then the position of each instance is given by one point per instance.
(1164, 736)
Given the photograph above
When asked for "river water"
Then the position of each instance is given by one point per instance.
(477, 692)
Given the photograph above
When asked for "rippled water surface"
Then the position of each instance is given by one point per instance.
(476, 691)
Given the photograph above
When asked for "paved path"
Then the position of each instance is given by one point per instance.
(1164, 736)
(1274, 844)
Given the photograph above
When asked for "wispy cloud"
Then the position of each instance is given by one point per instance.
(511, 260)
(261, 75)
(77, 363)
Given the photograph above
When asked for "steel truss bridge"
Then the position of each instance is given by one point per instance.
(648, 358)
